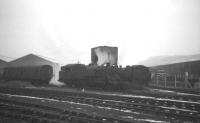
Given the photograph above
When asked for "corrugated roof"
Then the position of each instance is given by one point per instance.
(2, 61)
(43, 57)
(46, 58)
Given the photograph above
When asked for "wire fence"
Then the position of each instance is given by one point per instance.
(161, 78)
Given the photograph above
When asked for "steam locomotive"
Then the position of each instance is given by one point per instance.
(104, 77)
(83, 76)
(37, 75)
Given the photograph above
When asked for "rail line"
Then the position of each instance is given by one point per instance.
(173, 110)
(172, 113)
(43, 114)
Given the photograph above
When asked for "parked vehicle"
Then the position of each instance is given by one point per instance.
(37, 75)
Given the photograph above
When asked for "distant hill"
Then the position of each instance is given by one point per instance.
(162, 60)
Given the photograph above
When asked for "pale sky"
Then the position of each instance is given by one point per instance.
(66, 30)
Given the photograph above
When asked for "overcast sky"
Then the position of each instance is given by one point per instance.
(67, 29)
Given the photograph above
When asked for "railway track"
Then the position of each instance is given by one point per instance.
(170, 113)
(147, 108)
(171, 110)
(35, 113)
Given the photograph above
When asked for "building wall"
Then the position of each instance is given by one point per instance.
(103, 55)
(33, 60)
(188, 73)
(192, 67)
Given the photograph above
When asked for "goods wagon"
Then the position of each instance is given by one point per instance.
(37, 75)
(104, 77)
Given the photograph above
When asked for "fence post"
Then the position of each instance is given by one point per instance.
(157, 80)
(165, 80)
(175, 80)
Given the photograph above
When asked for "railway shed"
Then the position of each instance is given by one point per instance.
(192, 67)
(183, 70)
(37, 60)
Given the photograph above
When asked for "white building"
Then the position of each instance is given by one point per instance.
(104, 54)
(36, 60)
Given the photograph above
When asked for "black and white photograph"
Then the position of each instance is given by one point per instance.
(99, 61)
